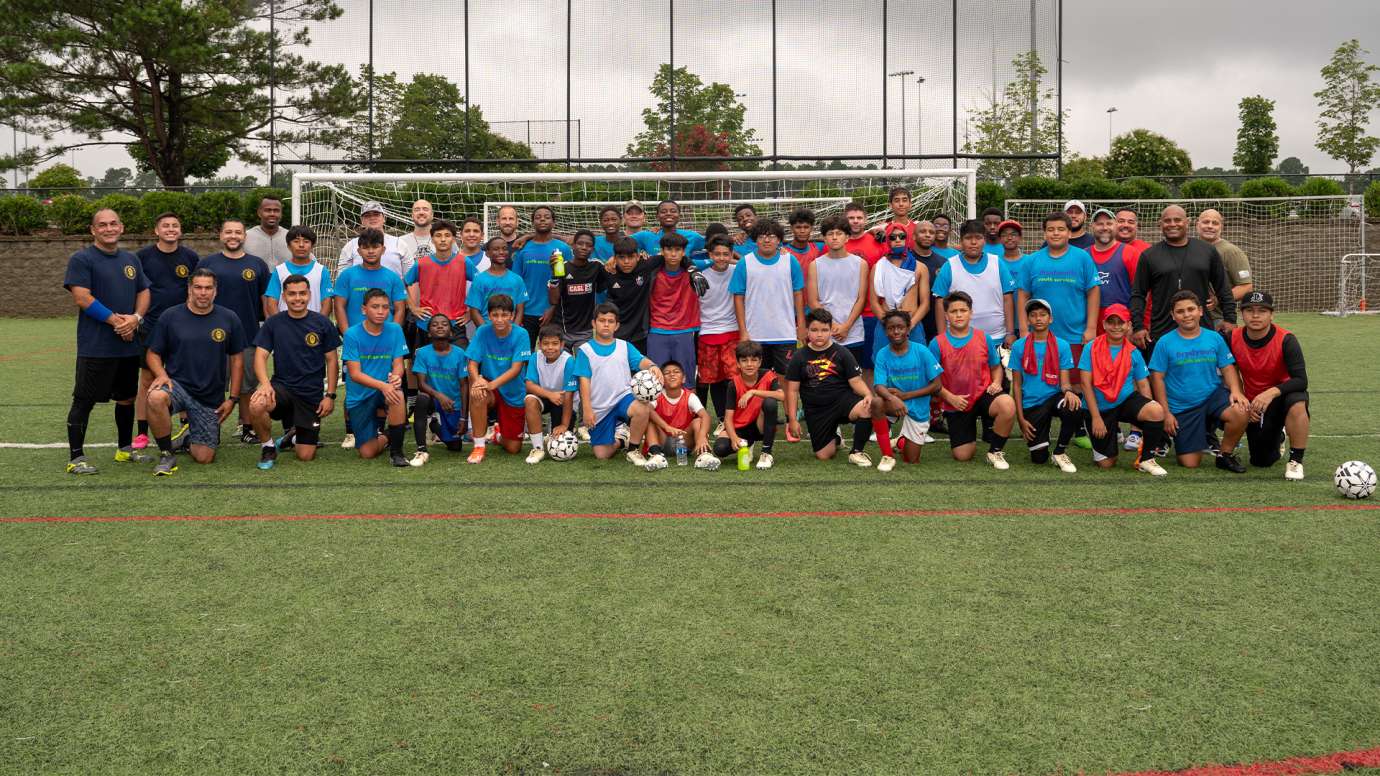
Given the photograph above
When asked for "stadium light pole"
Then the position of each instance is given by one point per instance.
(1110, 111)
(902, 74)
(919, 122)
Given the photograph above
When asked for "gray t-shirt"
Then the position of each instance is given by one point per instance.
(273, 249)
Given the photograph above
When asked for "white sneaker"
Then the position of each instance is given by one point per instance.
(582, 434)
(348, 442)
(536, 456)
(1065, 465)
(765, 461)
(1293, 470)
(1152, 467)
(654, 462)
(886, 464)
(636, 458)
(620, 433)
(860, 459)
(718, 432)
(927, 439)
(998, 461)
(707, 461)
(1132, 441)
(420, 459)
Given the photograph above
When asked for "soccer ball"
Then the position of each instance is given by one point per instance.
(1354, 479)
(563, 447)
(646, 386)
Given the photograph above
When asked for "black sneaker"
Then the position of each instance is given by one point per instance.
(398, 459)
(268, 457)
(248, 436)
(183, 446)
(1214, 447)
(287, 441)
(1229, 462)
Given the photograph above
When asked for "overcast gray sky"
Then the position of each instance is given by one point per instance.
(1178, 67)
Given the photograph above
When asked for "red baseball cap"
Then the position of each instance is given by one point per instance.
(1119, 310)
(1014, 224)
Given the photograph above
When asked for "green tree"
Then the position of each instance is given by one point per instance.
(184, 84)
(1257, 143)
(709, 122)
(1077, 166)
(1292, 169)
(1344, 105)
(1020, 120)
(1141, 152)
(114, 178)
(59, 176)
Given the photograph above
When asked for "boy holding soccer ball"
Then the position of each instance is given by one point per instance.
(603, 366)
(551, 388)
(1275, 382)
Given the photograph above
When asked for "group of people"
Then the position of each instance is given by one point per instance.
(524, 337)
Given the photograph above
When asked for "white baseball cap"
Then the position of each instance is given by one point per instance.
(1078, 203)
(370, 207)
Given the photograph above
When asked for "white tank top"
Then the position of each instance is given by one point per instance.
(891, 283)
(838, 286)
(716, 306)
(989, 308)
(313, 277)
(768, 302)
(608, 381)
(551, 376)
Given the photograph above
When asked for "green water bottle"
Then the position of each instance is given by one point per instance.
(557, 264)
(744, 457)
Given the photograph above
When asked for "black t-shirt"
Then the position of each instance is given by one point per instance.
(823, 374)
(1165, 269)
(115, 280)
(575, 306)
(299, 347)
(240, 287)
(631, 292)
(195, 348)
(1084, 240)
(167, 274)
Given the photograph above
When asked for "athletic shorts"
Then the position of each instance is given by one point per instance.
(1125, 412)
(1192, 436)
(106, 379)
(298, 411)
(551, 409)
(450, 423)
(512, 421)
(416, 335)
(823, 422)
(602, 433)
(716, 363)
(365, 421)
(1042, 416)
(572, 340)
(776, 357)
(913, 430)
(203, 422)
(250, 382)
(1264, 436)
(864, 350)
(963, 425)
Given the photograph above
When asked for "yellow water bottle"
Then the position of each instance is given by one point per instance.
(557, 264)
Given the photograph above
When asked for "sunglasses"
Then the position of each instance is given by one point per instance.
(897, 238)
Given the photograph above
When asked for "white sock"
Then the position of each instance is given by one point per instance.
(537, 440)
(480, 442)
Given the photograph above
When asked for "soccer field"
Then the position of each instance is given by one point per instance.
(590, 618)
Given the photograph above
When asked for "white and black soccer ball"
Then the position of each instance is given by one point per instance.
(646, 386)
(1354, 479)
(562, 447)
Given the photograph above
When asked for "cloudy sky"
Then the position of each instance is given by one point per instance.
(1178, 67)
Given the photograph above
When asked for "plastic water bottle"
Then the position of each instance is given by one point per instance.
(557, 264)
(744, 458)
(682, 454)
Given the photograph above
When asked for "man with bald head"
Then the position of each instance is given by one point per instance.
(1177, 263)
(1233, 258)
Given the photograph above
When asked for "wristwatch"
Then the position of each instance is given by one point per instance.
(331, 395)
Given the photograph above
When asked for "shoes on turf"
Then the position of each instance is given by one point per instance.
(167, 464)
(765, 461)
(476, 455)
(268, 456)
(927, 439)
(399, 460)
(286, 441)
(1214, 445)
(348, 442)
(718, 431)
(1132, 441)
(181, 431)
(998, 461)
(80, 465)
(1064, 463)
(1293, 470)
(886, 464)
(582, 434)
(248, 436)
(182, 446)
(536, 455)
(1159, 452)
(1084, 442)
(655, 461)
(1229, 462)
(419, 459)
(140, 442)
(860, 458)
(636, 458)
(707, 461)
(1152, 467)
(130, 455)
(620, 433)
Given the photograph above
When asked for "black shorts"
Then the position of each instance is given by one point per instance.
(823, 422)
(297, 411)
(1125, 412)
(1264, 436)
(1042, 416)
(777, 357)
(415, 335)
(106, 379)
(963, 425)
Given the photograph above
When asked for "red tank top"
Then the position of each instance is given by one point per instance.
(441, 287)
(1261, 368)
(742, 417)
(673, 304)
(677, 413)
(966, 372)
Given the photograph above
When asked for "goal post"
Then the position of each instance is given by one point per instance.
(695, 214)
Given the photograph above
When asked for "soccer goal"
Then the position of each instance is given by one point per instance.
(330, 202)
(1296, 245)
(1360, 275)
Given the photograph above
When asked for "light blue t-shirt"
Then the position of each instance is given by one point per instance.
(487, 284)
(373, 352)
(496, 355)
(747, 246)
(1064, 283)
(533, 264)
(649, 240)
(947, 253)
(1190, 366)
(993, 357)
(583, 368)
(944, 277)
(443, 373)
(355, 282)
(569, 383)
(603, 247)
(1034, 389)
(909, 371)
(275, 287)
(1138, 372)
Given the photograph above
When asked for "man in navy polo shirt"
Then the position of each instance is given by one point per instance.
(167, 263)
(241, 284)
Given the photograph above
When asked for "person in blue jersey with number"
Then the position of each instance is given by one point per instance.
(906, 374)
(768, 297)
(442, 371)
(355, 282)
(1192, 374)
(167, 264)
(373, 352)
(1042, 388)
(497, 279)
(532, 263)
(602, 367)
(497, 356)
(302, 343)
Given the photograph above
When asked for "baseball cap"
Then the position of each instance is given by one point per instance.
(1078, 203)
(1037, 302)
(1117, 310)
(1102, 211)
(1011, 223)
(1258, 299)
(634, 205)
(370, 207)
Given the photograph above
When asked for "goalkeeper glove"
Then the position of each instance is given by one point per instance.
(698, 282)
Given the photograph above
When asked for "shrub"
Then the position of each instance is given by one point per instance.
(21, 215)
(1144, 188)
(71, 213)
(1035, 187)
(990, 194)
(1206, 188)
(1095, 189)
(131, 213)
(216, 206)
(1271, 186)
(155, 202)
(1321, 187)
(1372, 199)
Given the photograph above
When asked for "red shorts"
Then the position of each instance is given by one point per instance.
(512, 421)
(714, 361)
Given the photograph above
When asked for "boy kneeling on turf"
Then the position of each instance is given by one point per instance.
(441, 372)
(373, 352)
(828, 379)
(1276, 382)
(1117, 389)
(551, 388)
(603, 366)
(497, 356)
(907, 374)
(678, 413)
(970, 385)
(751, 402)
(1191, 373)
(1040, 388)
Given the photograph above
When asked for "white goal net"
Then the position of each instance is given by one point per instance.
(330, 202)
(1296, 245)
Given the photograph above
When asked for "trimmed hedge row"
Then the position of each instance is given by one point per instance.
(71, 213)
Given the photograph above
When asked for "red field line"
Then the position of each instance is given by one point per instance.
(1293, 766)
(1043, 512)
